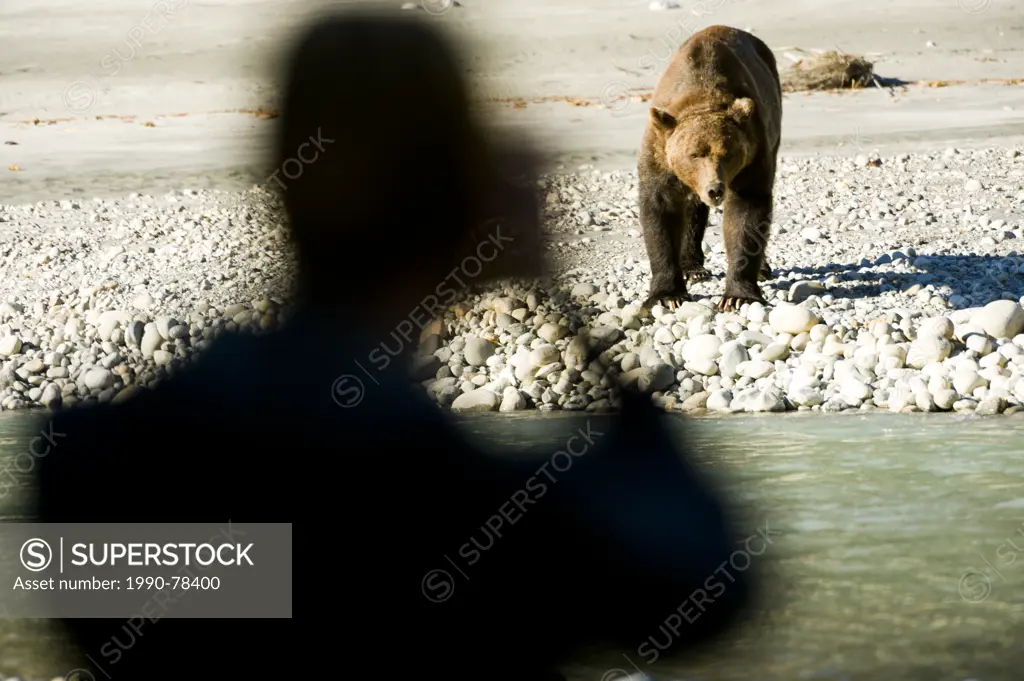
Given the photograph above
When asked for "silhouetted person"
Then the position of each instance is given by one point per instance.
(405, 185)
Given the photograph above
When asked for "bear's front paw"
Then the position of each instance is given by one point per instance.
(696, 273)
(670, 302)
(737, 293)
(670, 299)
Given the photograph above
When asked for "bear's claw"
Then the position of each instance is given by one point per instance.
(734, 303)
(698, 273)
(671, 303)
(668, 300)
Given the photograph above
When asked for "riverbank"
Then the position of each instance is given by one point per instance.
(896, 285)
(105, 292)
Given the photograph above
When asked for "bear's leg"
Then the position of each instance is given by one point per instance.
(766, 270)
(746, 226)
(691, 253)
(661, 221)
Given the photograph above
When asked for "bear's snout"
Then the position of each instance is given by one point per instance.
(716, 193)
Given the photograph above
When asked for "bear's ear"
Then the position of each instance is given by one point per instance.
(741, 109)
(663, 119)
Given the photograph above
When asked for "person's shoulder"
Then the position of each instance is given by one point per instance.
(172, 395)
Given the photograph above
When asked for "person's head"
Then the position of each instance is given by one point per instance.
(386, 174)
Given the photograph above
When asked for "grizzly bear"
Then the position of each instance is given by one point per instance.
(711, 140)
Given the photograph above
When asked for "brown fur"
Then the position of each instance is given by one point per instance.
(712, 139)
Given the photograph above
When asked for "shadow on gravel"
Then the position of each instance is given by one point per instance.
(978, 278)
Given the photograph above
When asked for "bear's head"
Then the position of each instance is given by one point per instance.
(706, 150)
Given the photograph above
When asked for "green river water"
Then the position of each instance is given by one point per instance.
(894, 557)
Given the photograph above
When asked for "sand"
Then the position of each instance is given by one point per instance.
(109, 81)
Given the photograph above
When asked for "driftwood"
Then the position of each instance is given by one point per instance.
(828, 71)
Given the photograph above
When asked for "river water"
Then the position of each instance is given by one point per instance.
(893, 547)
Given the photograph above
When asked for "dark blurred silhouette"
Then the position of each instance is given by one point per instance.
(384, 492)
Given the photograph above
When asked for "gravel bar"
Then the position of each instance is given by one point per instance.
(897, 285)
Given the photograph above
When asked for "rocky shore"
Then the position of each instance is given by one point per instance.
(896, 285)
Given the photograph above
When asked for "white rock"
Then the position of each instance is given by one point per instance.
(99, 379)
(732, 355)
(606, 334)
(899, 397)
(990, 406)
(659, 377)
(802, 290)
(552, 332)
(583, 290)
(477, 351)
(10, 345)
(511, 400)
(979, 344)
(576, 353)
(143, 302)
(774, 351)
(704, 367)
(926, 349)
(51, 396)
(664, 336)
(856, 389)
(936, 326)
(543, 355)
(750, 338)
(475, 400)
(944, 399)
(719, 400)
(819, 332)
(757, 313)
(696, 401)
(703, 347)
(755, 369)
(691, 310)
(792, 319)
(757, 400)
(151, 340)
(966, 381)
(1000, 319)
(804, 396)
